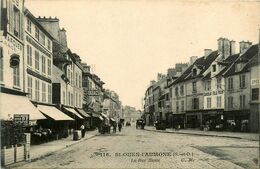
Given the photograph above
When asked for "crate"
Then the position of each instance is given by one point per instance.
(7, 156)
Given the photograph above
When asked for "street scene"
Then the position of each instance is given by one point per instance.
(130, 84)
(186, 152)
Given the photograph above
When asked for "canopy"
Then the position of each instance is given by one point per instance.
(102, 114)
(101, 118)
(15, 104)
(112, 119)
(83, 113)
(94, 114)
(53, 113)
(74, 112)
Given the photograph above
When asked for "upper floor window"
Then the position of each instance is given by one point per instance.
(230, 83)
(208, 102)
(29, 25)
(214, 68)
(242, 101)
(16, 22)
(80, 81)
(37, 33)
(43, 64)
(50, 94)
(43, 92)
(176, 91)
(242, 81)
(207, 85)
(219, 83)
(16, 76)
(29, 55)
(195, 103)
(230, 102)
(218, 101)
(182, 90)
(29, 86)
(76, 79)
(182, 106)
(255, 94)
(37, 90)
(177, 106)
(37, 60)
(49, 67)
(49, 44)
(42, 38)
(194, 87)
(194, 72)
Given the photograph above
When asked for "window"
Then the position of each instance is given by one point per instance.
(1, 66)
(49, 44)
(68, 100)
(16, 22)
(80, 105)
(177, 106)
(72, 99)
(37, 90)
(176, 91)
(214, 68)
(242, 81)
(230, 83)
(255, 94)
(195, 103)
(242, 101)
(194, 87)
(80, 83)
(182, 106)
(37, 60)
(42, 38)
(29, 86)
(209, 102)
(37, 33)
(43, 92)
(49, 67)
(29, 25)
(207, 85)
(50, 93)
(230, 102)
(76, 99)
(194, 72)
(170, 92)
(219, 83)
(218, 101)
(16, 76)
(29, 55)
(182, 90)
(43, 64)
(76, 79)
(64, 97)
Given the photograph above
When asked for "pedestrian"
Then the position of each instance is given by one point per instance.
(119, 126)
(82, 128)
(114, 127)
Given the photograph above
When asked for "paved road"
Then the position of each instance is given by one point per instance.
(146, 149)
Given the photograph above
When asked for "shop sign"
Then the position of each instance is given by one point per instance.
(255, 82)
(22, 119)
(93, 92)
(213, 93)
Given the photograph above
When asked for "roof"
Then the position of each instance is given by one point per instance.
(202, 63)
(244, 58)
(228, 62)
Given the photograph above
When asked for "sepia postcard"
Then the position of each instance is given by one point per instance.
(130, 84)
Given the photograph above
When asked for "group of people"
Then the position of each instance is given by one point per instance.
(115, 125)
(106, 127)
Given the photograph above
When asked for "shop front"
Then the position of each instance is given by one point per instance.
(193, 119)
(178, 120)
(213, 119)
(237, 120)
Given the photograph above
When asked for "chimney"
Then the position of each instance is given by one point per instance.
(232, 47)
(224, 48)
(243, 46)
(193, 59)
(63, 37)
(207, 52)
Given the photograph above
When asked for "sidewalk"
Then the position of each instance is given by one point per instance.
(238, 135)
(46, 149)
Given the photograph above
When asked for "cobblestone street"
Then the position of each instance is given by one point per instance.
(121, 150)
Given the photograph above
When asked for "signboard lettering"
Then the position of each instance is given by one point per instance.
(255, 81)
(22, 119)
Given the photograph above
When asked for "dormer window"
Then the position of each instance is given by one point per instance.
(214, 68)
(239, 67)
(194, 72)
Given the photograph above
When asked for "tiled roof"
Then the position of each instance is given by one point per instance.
(202, 63)
(228, 62)
(245, 57)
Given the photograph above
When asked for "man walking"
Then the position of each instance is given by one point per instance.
(119, 126)
(82, 128)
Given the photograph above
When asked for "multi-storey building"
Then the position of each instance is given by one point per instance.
(149, 104)
(12, 63)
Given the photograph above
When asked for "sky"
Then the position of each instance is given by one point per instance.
(127, 42)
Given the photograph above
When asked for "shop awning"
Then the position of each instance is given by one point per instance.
(15, 104)
(101, 118)
(74, 112)
(53, 113)
(83, 113)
